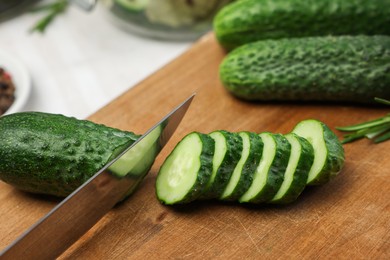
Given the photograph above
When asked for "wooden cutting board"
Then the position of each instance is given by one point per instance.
(348, 218)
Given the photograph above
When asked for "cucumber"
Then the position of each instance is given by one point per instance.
(138, 160)
(132, 5)
(269, 174)
(242, 175)
(299, 164)
(328, 151)
(54, 154)
(262, 168)
(228, 148)
(252, 20)
(344, 68)
(186, 171)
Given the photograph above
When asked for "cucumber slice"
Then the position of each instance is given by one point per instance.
(328, 151)
(132, 5)
(186, 171)
(299, 164)
(138, 160)
(269, 174)
(242, 175)
(228, 148)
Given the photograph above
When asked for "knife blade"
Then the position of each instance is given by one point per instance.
(50, 236)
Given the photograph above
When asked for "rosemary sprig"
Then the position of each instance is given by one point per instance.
(377, 129)
(52, 10)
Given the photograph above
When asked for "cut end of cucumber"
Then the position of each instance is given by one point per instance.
(250, 168)
(313, 131)
(140, 158)
(219, 154)
(234, 179)
(179, 172)
(261, 174)
(292, 165)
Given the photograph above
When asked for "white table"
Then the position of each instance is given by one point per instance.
(83, 61)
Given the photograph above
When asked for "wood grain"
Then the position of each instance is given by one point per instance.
(349, 218)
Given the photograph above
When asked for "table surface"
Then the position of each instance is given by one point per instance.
(83, 61)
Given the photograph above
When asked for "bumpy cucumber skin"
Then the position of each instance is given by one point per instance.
(204, 173)
(344, 68)
(54, 154)
(301, 173)
(276, 172)
(206, 168)
(334, 160)
(249, 168)
(225, 170)
(335, 156)
(252, 20)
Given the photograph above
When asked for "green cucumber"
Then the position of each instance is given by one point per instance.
(299, 164)
(328, 151)
(264, 168)
(228, 148)
(132, 5)
(242, 175)
(186, 171)
(344, 68)
(269, 174)
(139, 159)
(54, 154)
(252, 20)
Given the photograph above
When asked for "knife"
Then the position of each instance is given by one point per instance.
(76, 214)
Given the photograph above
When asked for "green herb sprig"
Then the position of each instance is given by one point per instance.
(378, 129)
(52, 10)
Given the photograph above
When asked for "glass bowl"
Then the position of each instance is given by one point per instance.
(178, 20)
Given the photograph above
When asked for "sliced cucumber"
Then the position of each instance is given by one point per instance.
(140, 158)
(242, 176)
(250, 168)
(328, 151)
(228, 148)
(269, 174)
(186, 171)
(299, 164)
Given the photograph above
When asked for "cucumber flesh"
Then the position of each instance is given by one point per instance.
(235, 177)
(139, 159)
(271, 178)
(249, 167)
(328, 151)
(314, 134)
(260, 176)
(186, 171)
(295, 177)
(230, 147)
(219, 154)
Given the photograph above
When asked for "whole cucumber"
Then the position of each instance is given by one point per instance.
(251, 20)
(343, 68)
(54, 154)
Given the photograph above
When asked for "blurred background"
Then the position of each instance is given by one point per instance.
(78, 61)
